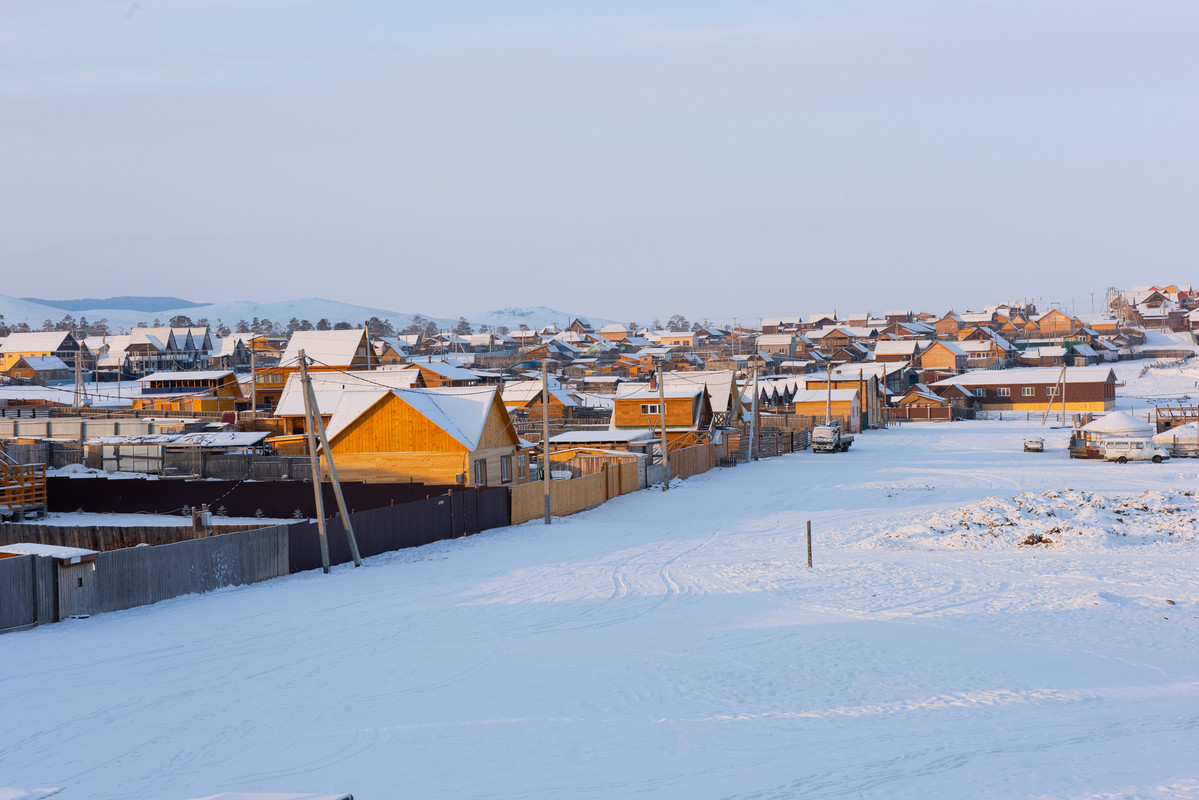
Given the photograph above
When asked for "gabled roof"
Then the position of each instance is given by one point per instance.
(34, 342)
(460, 411)
(334, 348)
(821, 395)
(1028, 375)
(44, 363)
(329, 387)
(447, 371)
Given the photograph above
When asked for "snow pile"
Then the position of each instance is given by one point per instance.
(1059, 519)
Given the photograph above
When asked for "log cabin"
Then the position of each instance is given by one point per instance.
(944, 357)
(846, 405)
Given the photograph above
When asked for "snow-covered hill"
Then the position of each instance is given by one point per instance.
(16, 310)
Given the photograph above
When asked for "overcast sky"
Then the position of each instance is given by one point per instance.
(618, 159)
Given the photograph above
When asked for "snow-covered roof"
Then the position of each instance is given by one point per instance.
(1028, 375)
(330, 386)
(582, 437)
(459, 411)
(33, 342)
(899, 347)
(451, 372)
(183, 375)
(776, 339)
(719, 384)
(47, 550)
(1118, 423)
(523, 393)
(45, 363)
(334, 348)
(821, 395)
(950, 346)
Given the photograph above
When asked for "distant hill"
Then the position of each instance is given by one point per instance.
(147, 305)
(121, 317)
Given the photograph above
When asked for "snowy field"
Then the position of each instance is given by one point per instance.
(676, 645)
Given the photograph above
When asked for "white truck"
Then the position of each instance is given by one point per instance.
(830, 439)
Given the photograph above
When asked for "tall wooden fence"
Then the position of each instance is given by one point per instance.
(107, 537)
(573, 496)
(694, 460)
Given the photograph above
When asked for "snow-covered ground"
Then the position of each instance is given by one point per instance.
(676, 645)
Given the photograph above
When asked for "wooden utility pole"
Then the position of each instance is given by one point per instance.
(662, 411)
(316, 427)
(753, 420)
(545, 438)
(253, 385)
(314, 461)
(310, 399)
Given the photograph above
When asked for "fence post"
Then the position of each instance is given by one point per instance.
(809, 544)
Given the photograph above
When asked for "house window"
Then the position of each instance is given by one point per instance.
(980, 392)
(505, 469)
(1004, 391)
(1028, 391)
(522, 467)
(1051, 391)
(649, 408)
(480, 473)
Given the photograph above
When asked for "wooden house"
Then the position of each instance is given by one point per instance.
(686, 339)
(60, 344)
(527, 396)
(439, 373)
(944, 356)
(329, 351)
(1034, 388)
(721, 386)
(947, 327)
(439, 436)
(191, 391)
(688, 410)
(39, 369)
(1057, 324)
(614, 332)
(903, 351)
(846, 405)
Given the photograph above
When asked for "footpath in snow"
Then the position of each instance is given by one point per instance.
(676, 645)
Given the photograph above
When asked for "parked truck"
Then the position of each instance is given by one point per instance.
(830, 438)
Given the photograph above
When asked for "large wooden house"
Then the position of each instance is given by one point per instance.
(60, 344)
(1035, 388)
(439, 436)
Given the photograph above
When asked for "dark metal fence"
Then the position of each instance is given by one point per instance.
(37, 590)
(278, 499)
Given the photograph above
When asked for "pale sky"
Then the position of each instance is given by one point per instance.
(617, 159)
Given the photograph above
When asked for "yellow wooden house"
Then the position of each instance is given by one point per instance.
(440, 436)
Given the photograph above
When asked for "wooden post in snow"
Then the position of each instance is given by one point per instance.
(809, 544)
(314, 460)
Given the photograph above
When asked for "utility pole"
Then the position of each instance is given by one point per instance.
(253, 385)
(662, 411)
(315, 463)
(828, 402)
(753, 420)
(545, 438)
(314, 414)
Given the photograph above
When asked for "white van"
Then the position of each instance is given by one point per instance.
(1124, 450)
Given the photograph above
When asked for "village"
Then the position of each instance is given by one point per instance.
(511, 427)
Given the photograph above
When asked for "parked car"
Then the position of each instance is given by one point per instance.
(1034, 444)
(1125, 450)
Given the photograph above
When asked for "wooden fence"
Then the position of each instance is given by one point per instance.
(573, 496)
(27, 592)
(694, 460)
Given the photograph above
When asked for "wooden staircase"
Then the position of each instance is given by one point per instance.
(22, 488)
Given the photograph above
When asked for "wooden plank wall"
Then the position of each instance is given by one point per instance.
(573, 496)
(18, 598)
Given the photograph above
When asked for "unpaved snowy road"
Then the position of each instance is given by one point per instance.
(664, 645)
